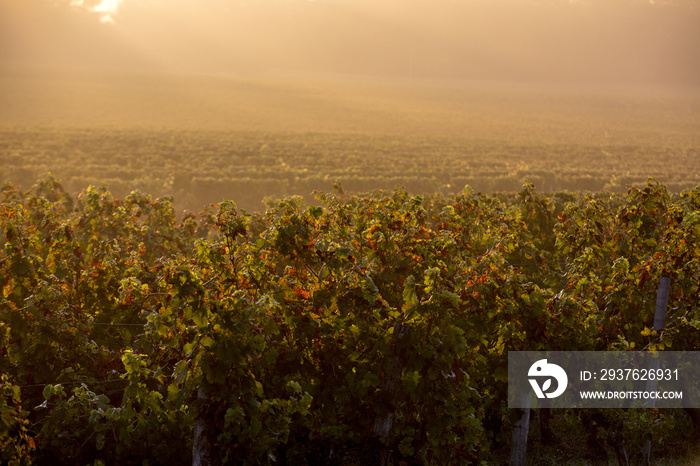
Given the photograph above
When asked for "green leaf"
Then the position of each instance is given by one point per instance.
(450, 297)
(255, 426)
(173, 391)
(370, 291)
(51, 390)
(200, 319)
(293, 387)
(207, 341)
(100, 442)
(370, 380)
(410, 298)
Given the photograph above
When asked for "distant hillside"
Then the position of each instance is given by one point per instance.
(205, 138)
(75, 97)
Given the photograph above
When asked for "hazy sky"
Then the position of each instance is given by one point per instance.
(617, 41)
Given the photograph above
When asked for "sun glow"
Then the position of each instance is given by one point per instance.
(107, 8)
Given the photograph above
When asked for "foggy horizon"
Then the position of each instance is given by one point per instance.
(613, 42)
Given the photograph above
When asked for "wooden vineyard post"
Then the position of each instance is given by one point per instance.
(661, 303)
(201, 445)
(518, 448)
(381, 428)
(659, 324)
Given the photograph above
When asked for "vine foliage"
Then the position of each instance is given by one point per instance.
(368, 328)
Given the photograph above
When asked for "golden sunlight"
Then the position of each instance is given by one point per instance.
(107, 8)
(584, 41)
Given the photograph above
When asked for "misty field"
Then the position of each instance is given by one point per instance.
(205, 138)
